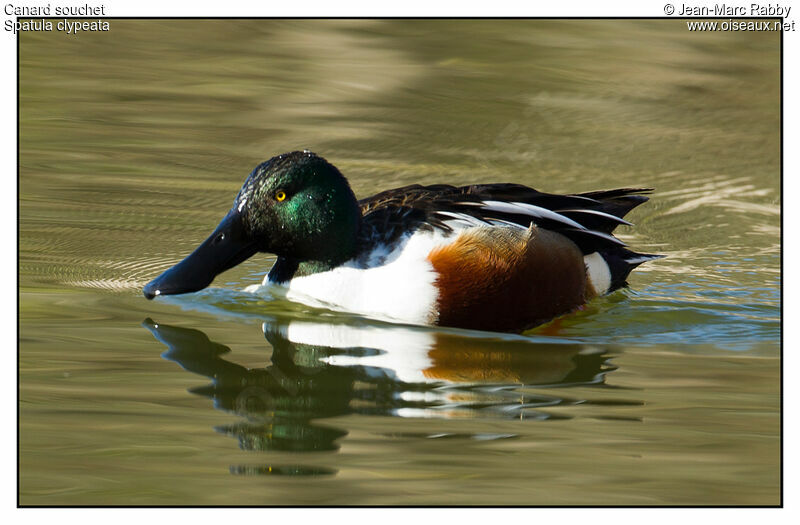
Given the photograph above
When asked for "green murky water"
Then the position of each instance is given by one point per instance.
(134, 143)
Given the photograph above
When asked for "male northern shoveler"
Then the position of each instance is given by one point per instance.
(500, 257)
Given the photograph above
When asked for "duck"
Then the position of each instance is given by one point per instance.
(499, 257)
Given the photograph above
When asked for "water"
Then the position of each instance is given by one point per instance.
(133, 147)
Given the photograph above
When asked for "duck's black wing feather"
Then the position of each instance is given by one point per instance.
(588, 219)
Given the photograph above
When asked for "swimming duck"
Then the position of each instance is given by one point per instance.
(498, 257)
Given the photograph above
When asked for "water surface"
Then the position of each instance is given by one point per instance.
(134, 142)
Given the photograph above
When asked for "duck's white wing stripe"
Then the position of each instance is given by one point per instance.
(501, 222)
(521, 208)
(601, 214)
(601, 235)
(461, 218)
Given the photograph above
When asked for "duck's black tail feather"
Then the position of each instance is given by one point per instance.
(614, 202)
(621, 262)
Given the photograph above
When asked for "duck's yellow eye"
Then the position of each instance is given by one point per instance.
(280, 196)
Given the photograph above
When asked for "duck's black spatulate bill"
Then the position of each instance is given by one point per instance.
(228, 246)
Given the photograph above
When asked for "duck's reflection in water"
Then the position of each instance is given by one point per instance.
(320, 370)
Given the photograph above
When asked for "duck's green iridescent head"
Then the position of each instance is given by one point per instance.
(295, 205)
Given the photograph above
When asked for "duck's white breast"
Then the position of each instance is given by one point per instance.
(397, 285)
